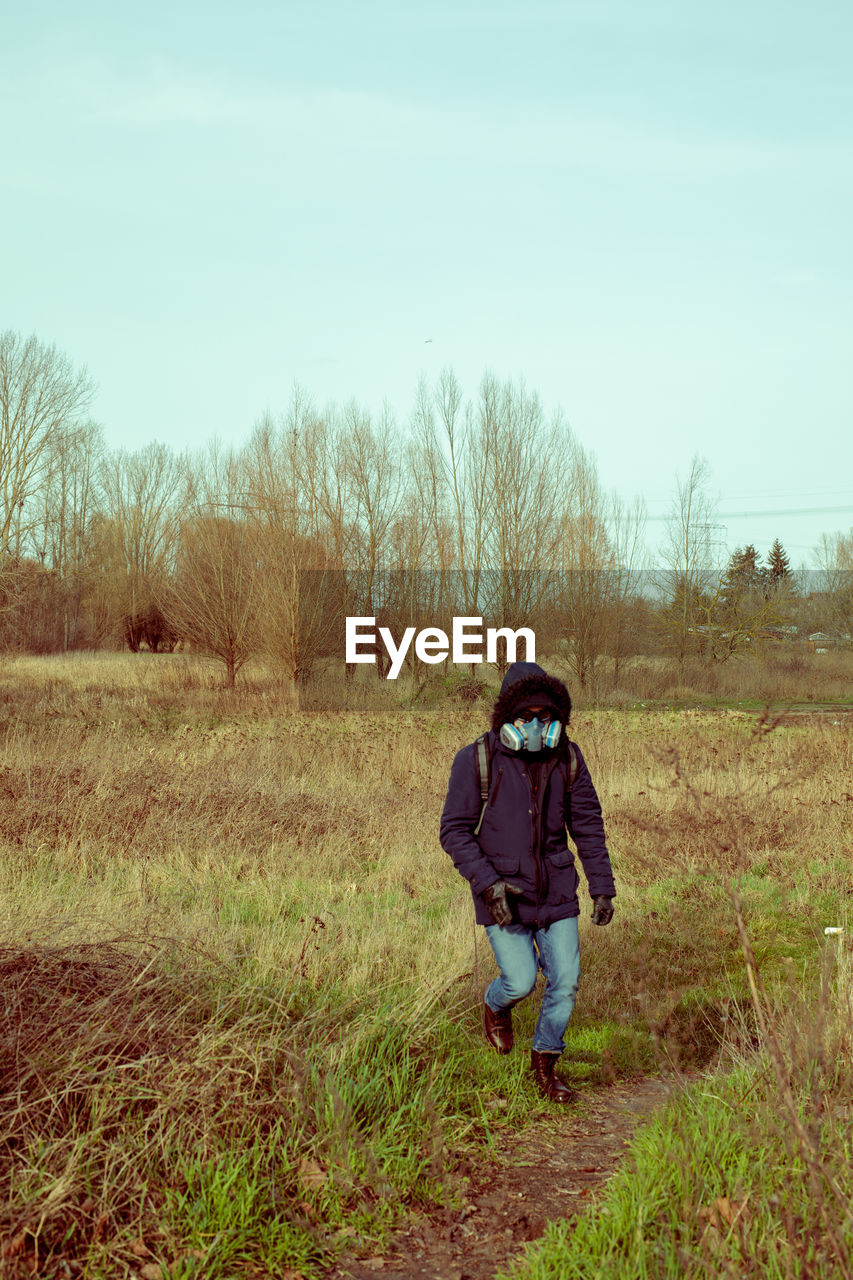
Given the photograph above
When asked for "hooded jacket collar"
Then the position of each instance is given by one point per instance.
(523, 684)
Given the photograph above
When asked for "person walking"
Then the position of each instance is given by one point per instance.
(512, 795)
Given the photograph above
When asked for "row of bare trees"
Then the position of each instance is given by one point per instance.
(478, 507)
(486, 507)
(479, 510)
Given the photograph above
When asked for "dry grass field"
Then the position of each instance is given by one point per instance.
(240, 985)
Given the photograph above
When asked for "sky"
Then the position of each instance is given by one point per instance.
(643, 210)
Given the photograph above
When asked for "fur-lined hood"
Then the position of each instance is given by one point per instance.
(525, 683)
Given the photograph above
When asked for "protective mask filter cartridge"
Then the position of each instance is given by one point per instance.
(532, 736)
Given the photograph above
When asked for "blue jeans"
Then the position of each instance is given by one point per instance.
(557, 952)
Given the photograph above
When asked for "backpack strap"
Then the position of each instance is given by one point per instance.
(482, 755)
(572, 766)
(483, 774)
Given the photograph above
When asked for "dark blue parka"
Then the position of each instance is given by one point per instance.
(523, 836)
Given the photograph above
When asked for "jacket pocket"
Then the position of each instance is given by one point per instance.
(506, 865)
(562, 877)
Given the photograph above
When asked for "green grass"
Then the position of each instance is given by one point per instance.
(381, 1096)
(713, 1185)
(747, 1172)
(237, 1207)
(239, 975)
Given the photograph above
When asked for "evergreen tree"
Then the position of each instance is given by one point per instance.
(778, 566)
(744, 576)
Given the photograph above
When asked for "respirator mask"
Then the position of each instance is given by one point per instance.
(531, 731)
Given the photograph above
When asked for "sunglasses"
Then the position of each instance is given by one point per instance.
(543, 715)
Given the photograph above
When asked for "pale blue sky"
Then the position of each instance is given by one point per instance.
(643, 209)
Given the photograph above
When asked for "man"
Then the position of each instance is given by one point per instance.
(512, 849)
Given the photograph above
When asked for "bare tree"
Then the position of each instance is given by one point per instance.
(528, 469)
(689, 572)
(215, 595)
(61, 530)
(494, 480)
(627, 526)
(142, 498)
(449, 460)
(323, 475)
(372, 458)
(42, 396)
(302, 617)
(585, 560)
(42, 399)
(413, 588)
(600, 547)
(834, 556)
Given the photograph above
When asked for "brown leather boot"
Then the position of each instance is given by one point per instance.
(498, 1028)
(551, 1086)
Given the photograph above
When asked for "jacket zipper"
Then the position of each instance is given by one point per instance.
(535, 796)
(534, 802)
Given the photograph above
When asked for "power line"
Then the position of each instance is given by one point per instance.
(783, 511)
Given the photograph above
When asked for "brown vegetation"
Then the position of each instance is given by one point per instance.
(216, 910)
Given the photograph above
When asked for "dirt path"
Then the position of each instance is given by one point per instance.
(551, 1170)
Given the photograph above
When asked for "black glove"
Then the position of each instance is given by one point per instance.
(602, 910)
(495, 898)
